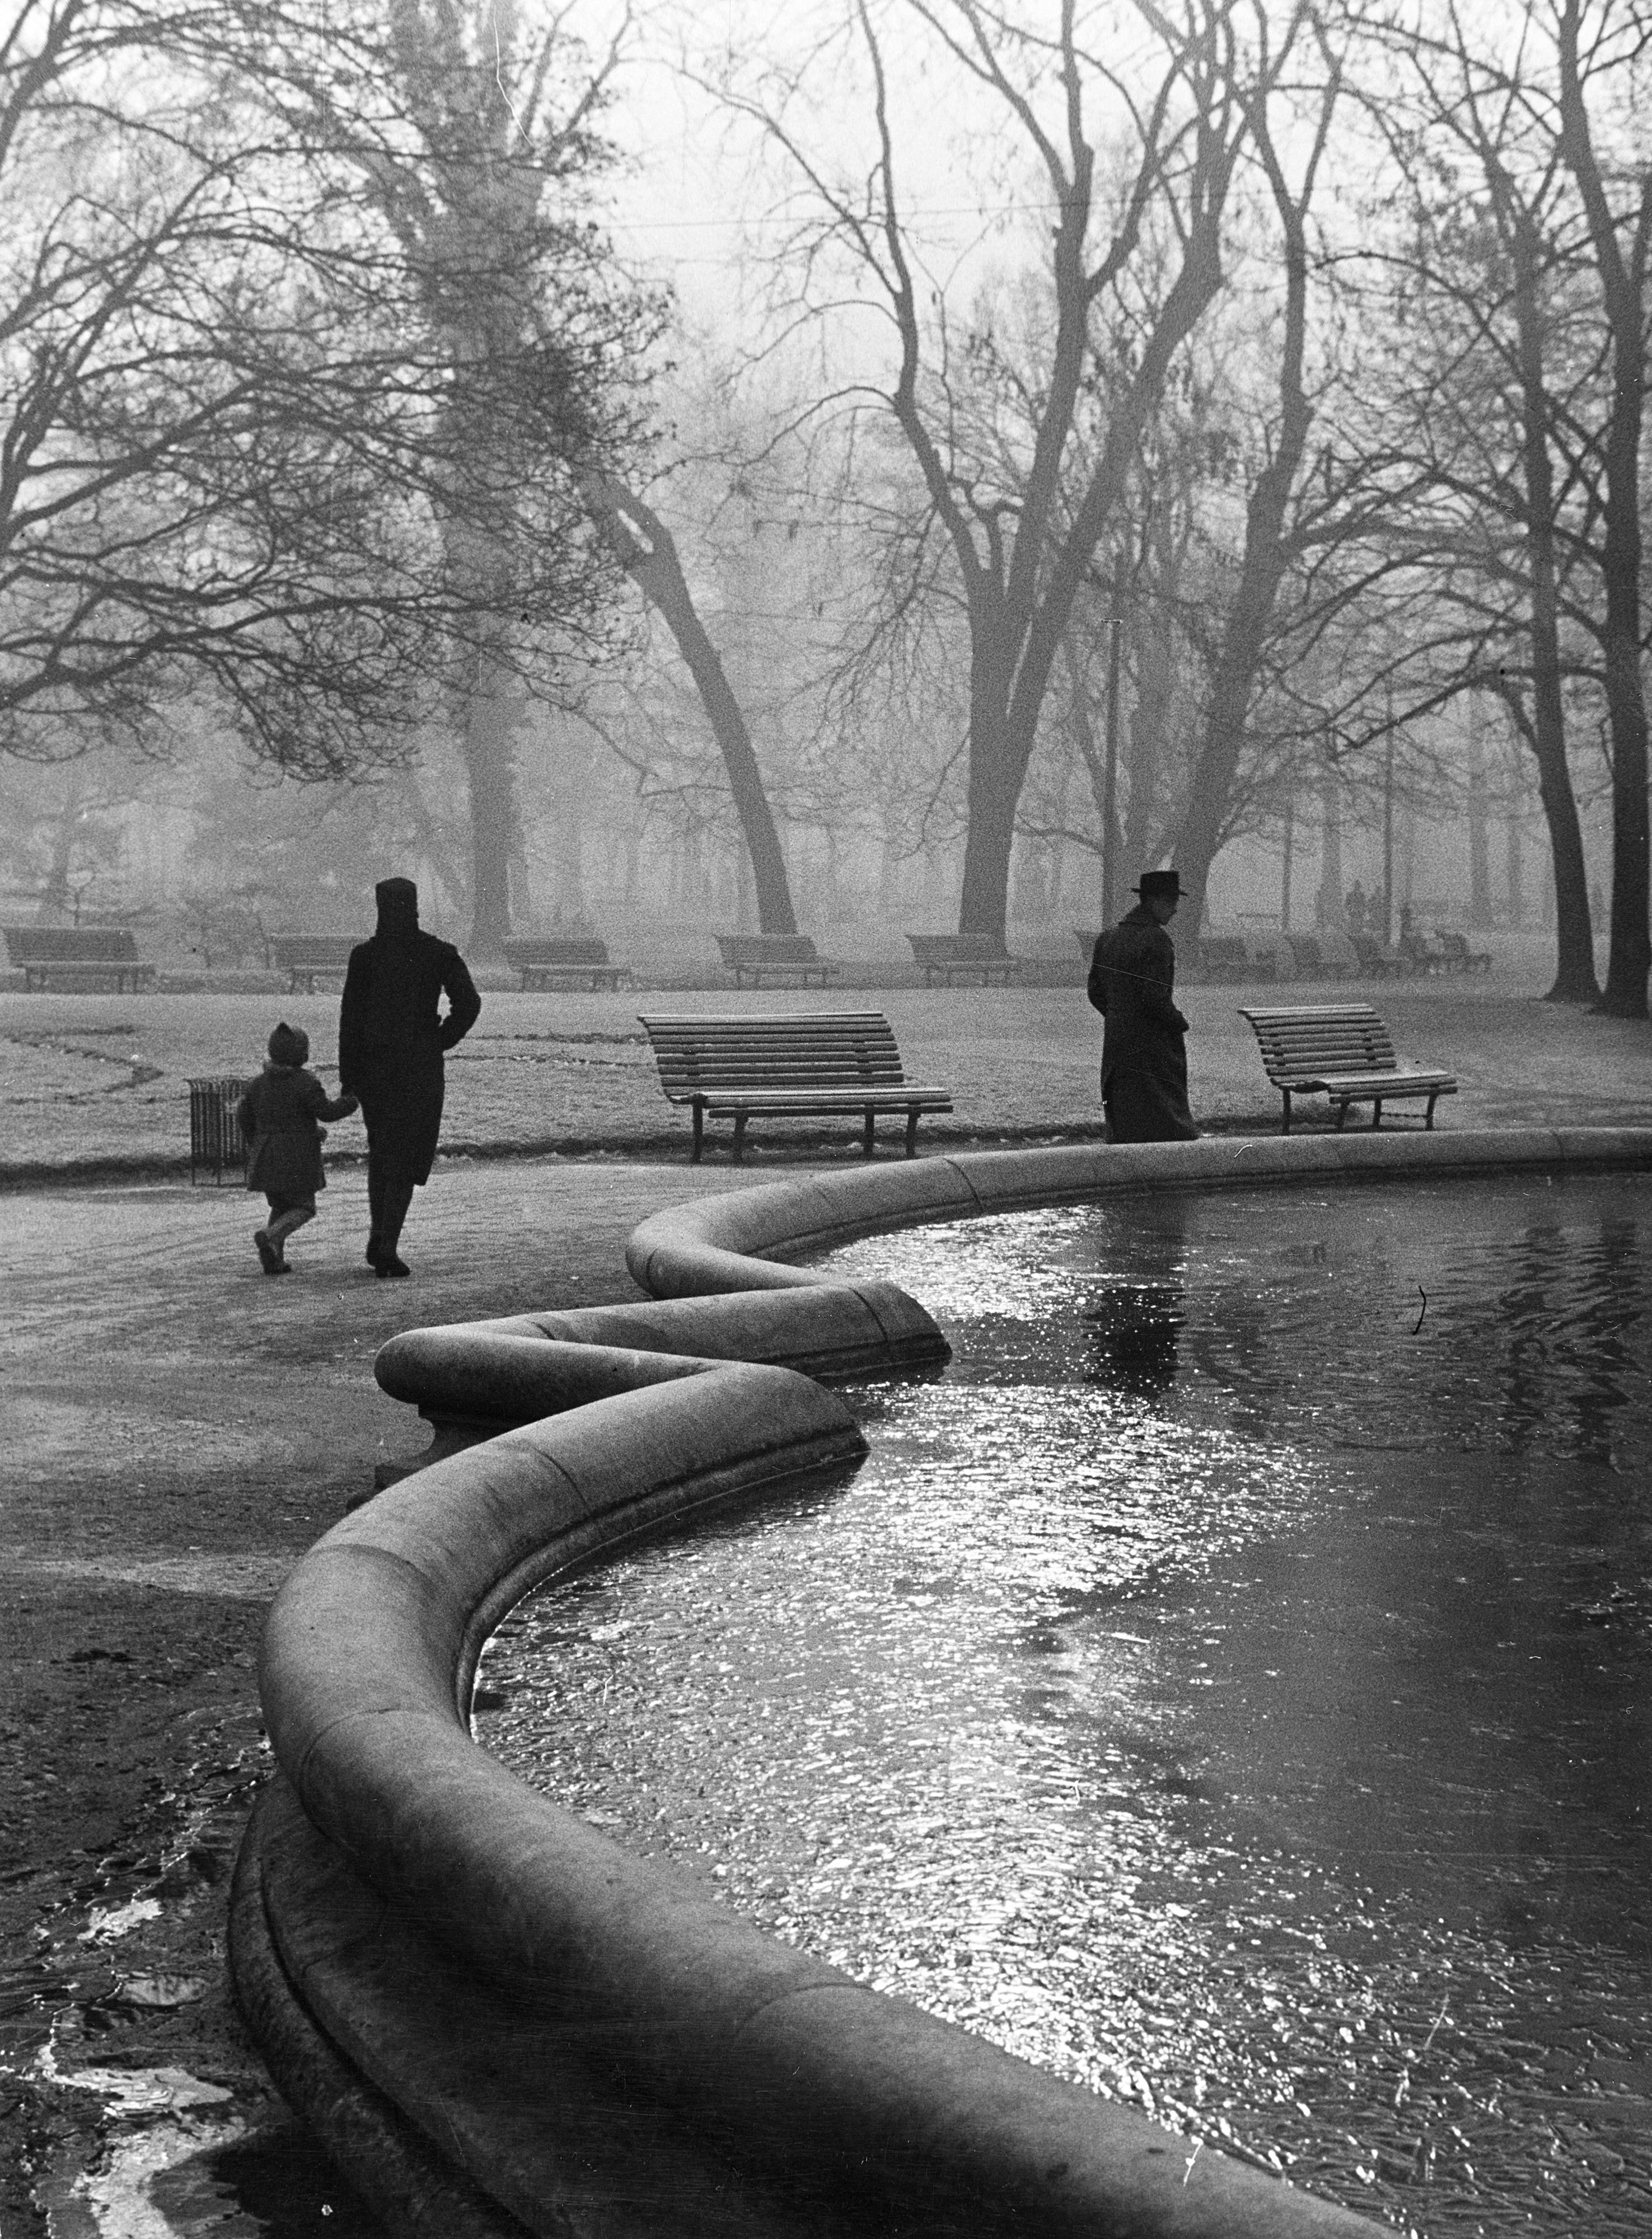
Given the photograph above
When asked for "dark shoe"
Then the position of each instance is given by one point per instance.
(391, 1265)
(268, 1259)
(372, 1251)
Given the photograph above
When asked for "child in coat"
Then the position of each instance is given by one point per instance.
(279, 1115)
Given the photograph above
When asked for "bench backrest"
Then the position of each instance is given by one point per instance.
(744, 948)
(956, 947)
(303, 948)
(810, 1049)
(78, 944)
(572, 950)
(1322, 1038)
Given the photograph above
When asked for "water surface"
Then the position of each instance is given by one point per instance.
(1227, 1687)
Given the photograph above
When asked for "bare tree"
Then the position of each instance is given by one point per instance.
(1268, 550)
(1021, 554)
(1616, 197)
(473, 133)
(646, 549)
(209, 464)
(1488, 274)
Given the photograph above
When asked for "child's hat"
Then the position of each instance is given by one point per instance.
(289, 1045)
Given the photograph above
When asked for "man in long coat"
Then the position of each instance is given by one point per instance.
(391, 1037)
(1144, 1057)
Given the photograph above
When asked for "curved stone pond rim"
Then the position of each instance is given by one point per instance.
(765, 2090)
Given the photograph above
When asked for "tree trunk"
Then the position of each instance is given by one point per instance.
(647, 551)
(1622, 292)
(998, 771)
(1328, 906)
(1545, 732)
(54, 895)
(488, 725)
(1516, 872)
(1479, 843)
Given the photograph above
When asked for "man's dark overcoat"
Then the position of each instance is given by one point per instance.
(391, 1037)
(1144, 1055)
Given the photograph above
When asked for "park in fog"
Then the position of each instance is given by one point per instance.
(856, 470)
(1076, 1677)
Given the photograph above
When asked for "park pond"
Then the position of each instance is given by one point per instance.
(1225, 1686)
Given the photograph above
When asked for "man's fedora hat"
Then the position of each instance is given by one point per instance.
(1160, 886)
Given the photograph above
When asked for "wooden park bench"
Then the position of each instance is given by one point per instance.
(305, 956)
(788, 959)
(1343, 1051)
(78, 956)
(1377, 958)
(553, 961)
(790, 1065)
(1457, 956)
(951, 957)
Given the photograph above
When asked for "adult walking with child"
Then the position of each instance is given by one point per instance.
(392, 1035)
(1144, 1054)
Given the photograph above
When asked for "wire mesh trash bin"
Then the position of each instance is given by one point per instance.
(216, 1145)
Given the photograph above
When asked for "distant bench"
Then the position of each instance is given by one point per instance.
(788, 959)
(951, 957)
(570, 960)
(788, 1066)
(1452, 953)
(1343, 1051)
(77, 955)
(304, 956)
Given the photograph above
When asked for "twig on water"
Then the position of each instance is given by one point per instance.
(1423, 1295)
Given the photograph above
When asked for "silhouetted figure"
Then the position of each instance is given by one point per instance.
(1144, 1057)
(391, 1037)
(280, 1116)
(1356, 908)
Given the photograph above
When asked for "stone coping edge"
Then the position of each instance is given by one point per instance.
(472, 1380)
(861, 2106)
(747, 1239)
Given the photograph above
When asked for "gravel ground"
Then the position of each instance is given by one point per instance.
(178, 1429)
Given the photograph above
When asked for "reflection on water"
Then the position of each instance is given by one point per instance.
(1228, 1687)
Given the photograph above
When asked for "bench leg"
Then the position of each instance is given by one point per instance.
(1285, 1127)
(1377, 1116)
(911, 1134)
(739, 1137)
(1341, 1116)
(699, 1135)
(867, 1136)
(1428, 1117)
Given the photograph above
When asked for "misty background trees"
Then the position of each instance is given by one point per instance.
(1113, 434)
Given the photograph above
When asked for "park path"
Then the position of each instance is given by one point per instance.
(178, 1429)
